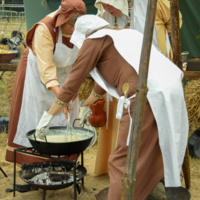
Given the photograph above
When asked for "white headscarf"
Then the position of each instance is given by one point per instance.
(84, 26)
(119, 4)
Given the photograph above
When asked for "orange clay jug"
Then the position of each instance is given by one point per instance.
(98, 116)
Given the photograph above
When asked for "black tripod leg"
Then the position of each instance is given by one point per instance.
(3, 172)
(78, 188)
(43, 194)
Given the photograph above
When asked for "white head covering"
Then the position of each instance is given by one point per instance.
(119, 4)
(84, 26)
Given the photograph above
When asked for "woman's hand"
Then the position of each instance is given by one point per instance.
(42, 128)
(84, 113)
(66, 110)
(56, 90)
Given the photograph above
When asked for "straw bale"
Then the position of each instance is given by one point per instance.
(192, 98)
(4, 103)
(6, 47)
(21, 48)
(85, 89)
(84, 93)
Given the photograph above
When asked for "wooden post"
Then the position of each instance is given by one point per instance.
(175, 35)
(128, 180)
(177, 60)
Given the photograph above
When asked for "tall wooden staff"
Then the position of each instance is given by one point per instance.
(128, 180)
(177, 60)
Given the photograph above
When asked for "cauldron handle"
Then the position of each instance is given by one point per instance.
(34, 137)
(36, 140)
(76, 120)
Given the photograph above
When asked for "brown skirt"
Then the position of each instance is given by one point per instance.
(14, 116)
(149, 169)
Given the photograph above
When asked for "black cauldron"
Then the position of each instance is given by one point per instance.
(61, 148)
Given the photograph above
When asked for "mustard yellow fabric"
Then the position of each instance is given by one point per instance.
(163, 23)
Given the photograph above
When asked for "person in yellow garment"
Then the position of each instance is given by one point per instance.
(117, 14)
(42, 69)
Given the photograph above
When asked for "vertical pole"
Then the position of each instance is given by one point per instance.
(82, 166)
(128, 180)
(175, 35)
(74, 165)
(43, 194)
(14, 172)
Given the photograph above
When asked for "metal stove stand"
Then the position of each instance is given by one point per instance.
(35, 153)
(3, 172)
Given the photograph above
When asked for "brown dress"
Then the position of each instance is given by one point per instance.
(116, 71)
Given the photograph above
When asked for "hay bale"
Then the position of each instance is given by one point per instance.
(21, 48)
(5, 47)
(84, 92)
(85, 89)
(4, 103)
(192, 98)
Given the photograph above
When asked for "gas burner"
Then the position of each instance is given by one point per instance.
(52, 175)
(49, 174)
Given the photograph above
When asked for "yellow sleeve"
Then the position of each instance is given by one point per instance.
(43, 47)
(163, 15)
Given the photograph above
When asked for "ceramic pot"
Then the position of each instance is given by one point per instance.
(98, 116)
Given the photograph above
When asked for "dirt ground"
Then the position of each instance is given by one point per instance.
(93, 183)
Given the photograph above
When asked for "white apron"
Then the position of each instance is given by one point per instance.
(138, 18)
(165, 96)
(36, 98)
(167, 44)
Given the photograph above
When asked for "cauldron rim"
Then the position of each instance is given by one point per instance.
(31, 132)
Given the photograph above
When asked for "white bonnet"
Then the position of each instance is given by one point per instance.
(85, 25)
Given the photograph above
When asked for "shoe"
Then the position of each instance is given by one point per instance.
(103, 194)
(177, 193)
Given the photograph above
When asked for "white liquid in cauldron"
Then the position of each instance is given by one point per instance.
(61, 138)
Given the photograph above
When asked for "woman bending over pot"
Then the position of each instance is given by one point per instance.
(162, 147)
